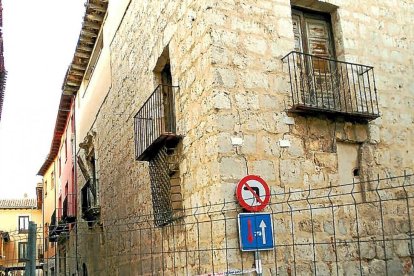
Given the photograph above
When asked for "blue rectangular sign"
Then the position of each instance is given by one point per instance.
(255, 231)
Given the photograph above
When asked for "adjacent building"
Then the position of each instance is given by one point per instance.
(50, 195)
(3, 72)
(176, 101)
(15, 215)
(58, 171)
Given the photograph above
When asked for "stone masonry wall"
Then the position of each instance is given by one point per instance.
(147, 28)
(226, 58)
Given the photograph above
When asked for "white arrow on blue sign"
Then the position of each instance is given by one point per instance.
(255, 231)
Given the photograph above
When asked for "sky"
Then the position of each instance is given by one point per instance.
(39, 42)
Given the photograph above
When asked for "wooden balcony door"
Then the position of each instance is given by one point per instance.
(318, 76)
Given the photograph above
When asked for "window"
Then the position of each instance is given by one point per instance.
(319, 82)
(52, 180)
(94, 59)
(90, 190)
(66, 147)
(72, 124)
(23, 224)
(22, 251)
(163, 157)
(59, 210)
(40, 255)
(60, 166)
(46, 236)
(45, 188)
(167, 97)
(84, 270)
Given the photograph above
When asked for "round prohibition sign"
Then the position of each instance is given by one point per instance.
(253, 193)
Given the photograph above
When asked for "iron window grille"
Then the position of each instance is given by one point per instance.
(167, 205)
(155, 141)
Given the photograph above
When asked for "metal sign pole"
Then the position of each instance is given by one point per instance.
(258, 263)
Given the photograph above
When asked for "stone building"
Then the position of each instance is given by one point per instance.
(176, 101)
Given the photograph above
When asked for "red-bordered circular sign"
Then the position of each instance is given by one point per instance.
(253, 193)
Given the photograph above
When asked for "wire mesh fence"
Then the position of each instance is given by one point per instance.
(14, 253)
(361, 228)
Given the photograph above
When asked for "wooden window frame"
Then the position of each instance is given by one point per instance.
(26, 227)
(310, 14)
(22, 251)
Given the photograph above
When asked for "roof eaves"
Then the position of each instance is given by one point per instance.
(95, 11)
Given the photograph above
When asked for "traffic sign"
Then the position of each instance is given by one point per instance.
(253, 193)
(255, 231)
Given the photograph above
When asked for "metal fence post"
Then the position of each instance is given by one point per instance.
(31, 250)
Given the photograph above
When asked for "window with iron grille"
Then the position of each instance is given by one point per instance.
(156, 141)
(165, 186)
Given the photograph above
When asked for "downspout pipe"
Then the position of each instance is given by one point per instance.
(75, 179)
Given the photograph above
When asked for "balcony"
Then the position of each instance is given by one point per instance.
(57, 226)
(322, 85)
(89, 200)
(52, 228)
(154, 123)
(69, 208)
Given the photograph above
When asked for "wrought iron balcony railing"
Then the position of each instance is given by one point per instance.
(57, 226)
(322, 85)
(155, 123)
(69, 208)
